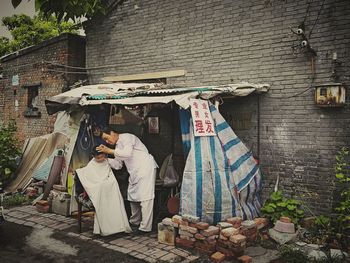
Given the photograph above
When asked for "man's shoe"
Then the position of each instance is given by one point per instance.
(134, 227)
(139, 232)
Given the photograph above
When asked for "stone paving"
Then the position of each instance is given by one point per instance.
(145, 247)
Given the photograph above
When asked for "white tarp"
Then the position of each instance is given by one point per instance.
(36, 152)
(100, 184)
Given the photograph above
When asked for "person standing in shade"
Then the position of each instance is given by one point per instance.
(142, 169)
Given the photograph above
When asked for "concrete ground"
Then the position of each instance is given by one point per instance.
(30, 236)
(20, 243)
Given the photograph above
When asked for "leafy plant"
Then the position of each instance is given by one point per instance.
(321, 231)
(329, 259)
(69, 9)
(342, 173)
(337, 228)
(26, 31)
(322, 221)
(9, 152)
(277, 206)
(291, 255)
(15, 200)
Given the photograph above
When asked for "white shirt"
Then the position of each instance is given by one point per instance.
(140, 165)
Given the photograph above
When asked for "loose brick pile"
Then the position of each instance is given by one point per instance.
(226, 240)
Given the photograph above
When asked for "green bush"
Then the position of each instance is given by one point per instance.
(336, 228)
(15, 200)
(277, 206)
(292, 255)
(9, 152)
(342, 209)
(321, 231)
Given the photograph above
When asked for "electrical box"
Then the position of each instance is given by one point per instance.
(330, 95)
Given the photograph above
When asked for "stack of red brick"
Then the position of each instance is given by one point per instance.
(228, 238)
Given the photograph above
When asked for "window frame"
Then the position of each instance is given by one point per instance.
(32, 94)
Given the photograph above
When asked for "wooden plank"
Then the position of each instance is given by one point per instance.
(150, 75)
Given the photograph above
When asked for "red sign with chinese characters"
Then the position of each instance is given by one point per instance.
(203, 123)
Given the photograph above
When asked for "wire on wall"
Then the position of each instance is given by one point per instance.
(55, 70)
(84, 68)
(318, 15)
(58, 65)
(68, 72)
(21, 66)
(307, 11)
(294, 95)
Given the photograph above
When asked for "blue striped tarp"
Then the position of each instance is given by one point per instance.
(221, 177)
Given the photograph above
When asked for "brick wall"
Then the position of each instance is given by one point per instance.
(230, 41)
(34, 67)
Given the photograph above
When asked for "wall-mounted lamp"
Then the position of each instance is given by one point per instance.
(330, 95)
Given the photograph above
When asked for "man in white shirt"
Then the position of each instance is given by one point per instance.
(142, 169)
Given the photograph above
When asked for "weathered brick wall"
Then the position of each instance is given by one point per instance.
(32, 65)
(76, 59)
(230, 41)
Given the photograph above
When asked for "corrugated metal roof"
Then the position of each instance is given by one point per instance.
(150, 92)
(143, 93)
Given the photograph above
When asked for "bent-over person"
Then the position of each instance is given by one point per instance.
(142, 169)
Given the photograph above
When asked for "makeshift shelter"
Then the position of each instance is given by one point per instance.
(221, 178)
(226, 178)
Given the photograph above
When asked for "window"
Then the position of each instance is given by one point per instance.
(33, 94)
(32, 109)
